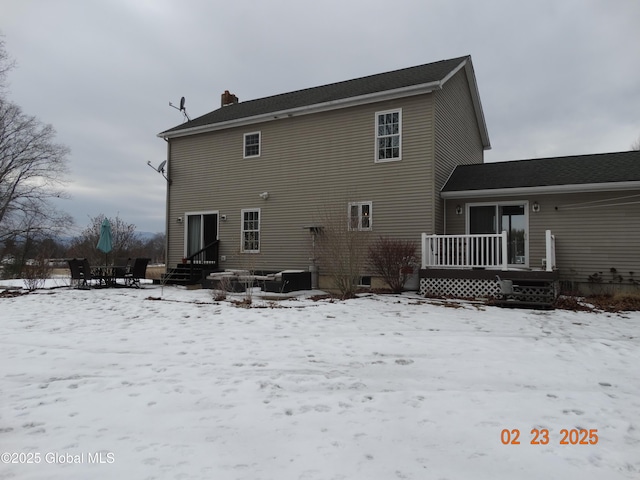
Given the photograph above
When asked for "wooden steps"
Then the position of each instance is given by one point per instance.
(526, 293)
(184, 274)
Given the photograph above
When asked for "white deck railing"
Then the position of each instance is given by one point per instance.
(475, 251)
(464, 251)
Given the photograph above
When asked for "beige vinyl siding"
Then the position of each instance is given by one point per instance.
(307, 164)
(457, 134)
(594, 235)
(594, 232)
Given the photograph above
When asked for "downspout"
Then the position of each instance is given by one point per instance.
(166, 227)
(444, 226)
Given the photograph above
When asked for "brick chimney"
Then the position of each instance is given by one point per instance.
(228, 99)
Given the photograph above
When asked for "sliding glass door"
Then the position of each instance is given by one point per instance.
(202, 230)
(509, 217)
(513, 221)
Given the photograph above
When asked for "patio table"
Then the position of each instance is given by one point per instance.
(106, 275)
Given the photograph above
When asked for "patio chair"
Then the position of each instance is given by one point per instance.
(76, 272)
(138, 271)
(121, 267)
(85, 269)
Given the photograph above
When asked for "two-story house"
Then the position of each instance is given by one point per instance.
(401, 154)
(248, 180)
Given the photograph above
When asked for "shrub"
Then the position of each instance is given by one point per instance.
(393, 260)
(342, 251)
(35, 272)
(224, 285)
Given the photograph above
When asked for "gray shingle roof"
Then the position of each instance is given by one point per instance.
(547, 172)
(406, 77)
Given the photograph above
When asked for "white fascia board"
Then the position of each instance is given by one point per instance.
(475, 98)
(309, 109)
(454, 71)
(477, 105)
(547, 189)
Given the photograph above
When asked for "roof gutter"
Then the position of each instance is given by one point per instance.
(309, 109)
(545, 189)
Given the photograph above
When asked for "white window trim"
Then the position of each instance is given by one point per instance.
(242, 230)
(244, 144)
(375, 153)
(186, 226)
(359, 205)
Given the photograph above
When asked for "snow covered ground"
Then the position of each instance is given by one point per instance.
(164, 383)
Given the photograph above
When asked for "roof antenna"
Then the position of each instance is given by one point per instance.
(182, 109)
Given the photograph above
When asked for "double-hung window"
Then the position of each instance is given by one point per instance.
(251, 230)
(360, 215)
(388, 136)
(251, 145)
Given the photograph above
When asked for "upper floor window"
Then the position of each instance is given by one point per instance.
(389, 135)
(360, 215)
(251, 144)
(251, 230)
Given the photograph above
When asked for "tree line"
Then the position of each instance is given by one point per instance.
(19, 253)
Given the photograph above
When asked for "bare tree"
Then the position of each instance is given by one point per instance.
(636, 145)
(35, 226)
(125, 240)
(32, 168)
(6, 64)
(154, 248)
(342, 249)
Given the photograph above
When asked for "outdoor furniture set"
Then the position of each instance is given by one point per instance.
(281, 282)
(83, 275)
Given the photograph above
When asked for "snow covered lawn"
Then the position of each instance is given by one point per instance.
(115, 383)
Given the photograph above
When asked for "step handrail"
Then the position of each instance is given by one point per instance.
(200, 256)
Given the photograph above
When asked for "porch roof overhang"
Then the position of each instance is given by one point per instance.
(543, 190)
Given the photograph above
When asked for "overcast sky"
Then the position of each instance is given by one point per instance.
(556, 77)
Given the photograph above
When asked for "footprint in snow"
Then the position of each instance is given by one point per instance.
(573, 410)
(404, 361)
(32, 425)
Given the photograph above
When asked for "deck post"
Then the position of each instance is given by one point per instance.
(424, 251)
(505, 256)
(550, 251)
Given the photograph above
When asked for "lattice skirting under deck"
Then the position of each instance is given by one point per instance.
(459, 287)
(481, 288)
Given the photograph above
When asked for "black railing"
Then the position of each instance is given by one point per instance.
(208, 256)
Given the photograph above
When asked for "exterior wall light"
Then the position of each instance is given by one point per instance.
(535, 207)
(458, 210)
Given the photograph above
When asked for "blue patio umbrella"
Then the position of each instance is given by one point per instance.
(105, 243)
